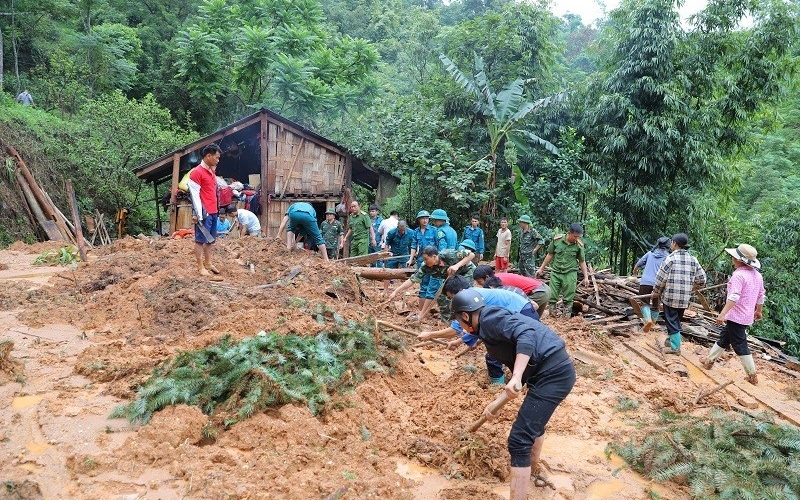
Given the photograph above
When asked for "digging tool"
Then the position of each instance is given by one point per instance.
(494, 407)
(409, 332)
(703, 300)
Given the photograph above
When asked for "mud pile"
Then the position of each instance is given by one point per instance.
(140, 302)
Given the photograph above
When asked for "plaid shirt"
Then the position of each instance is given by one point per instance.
(677, 276)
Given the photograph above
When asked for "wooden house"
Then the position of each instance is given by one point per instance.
(288, 162)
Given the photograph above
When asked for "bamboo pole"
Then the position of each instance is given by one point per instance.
(76, 219)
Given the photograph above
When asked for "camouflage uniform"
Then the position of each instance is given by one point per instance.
(528, 240)
(331, 231)
(448, 257)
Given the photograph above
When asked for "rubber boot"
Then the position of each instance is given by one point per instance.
(749, 368)
(497, 381)
(713, 354)
(648, 322)
(674, 344)
(654, 316)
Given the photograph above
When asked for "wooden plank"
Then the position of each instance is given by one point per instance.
(642, 352)
(607, 319)
(589, 358)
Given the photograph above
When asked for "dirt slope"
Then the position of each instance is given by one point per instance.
(85, 338)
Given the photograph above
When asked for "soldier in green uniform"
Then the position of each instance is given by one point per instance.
(530, 241)
(566, 253)
(361, 231)
(332, 233)
(439, 264)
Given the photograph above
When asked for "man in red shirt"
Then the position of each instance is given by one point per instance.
(536, 290)
(205, 208)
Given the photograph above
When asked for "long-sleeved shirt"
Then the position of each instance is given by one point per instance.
(506, 334)
(746, 288)
(448, 257)
(678, 275)
(476, 235)
(651, 261)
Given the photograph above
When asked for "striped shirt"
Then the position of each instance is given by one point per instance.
(746, 288)
(677, 276)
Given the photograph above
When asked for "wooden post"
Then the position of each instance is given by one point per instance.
(265, 193)
(158, 208)
(173, 198)
(76, 219)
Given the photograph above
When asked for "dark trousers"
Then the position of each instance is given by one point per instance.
(494, 367)
(645, 290)
(545, 392)
(736, 335)
(673, 317)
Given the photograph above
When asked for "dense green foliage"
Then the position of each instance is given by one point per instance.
(270, 369)
(723, 456)
(661, 124)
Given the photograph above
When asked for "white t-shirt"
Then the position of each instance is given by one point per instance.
(503, 248)
(383, 230)
(249, 220)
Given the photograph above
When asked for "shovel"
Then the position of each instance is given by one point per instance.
(494, 407)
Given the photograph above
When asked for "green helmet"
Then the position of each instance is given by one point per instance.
(423, 213)
(468, 243)
(467, 300)
(439, 214)
(526, 219)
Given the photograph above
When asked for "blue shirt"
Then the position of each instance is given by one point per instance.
(446, 237)
(423, 240)
(493, 297)
(476, 235)
(223, 226)
(400, 244)
(651, 261)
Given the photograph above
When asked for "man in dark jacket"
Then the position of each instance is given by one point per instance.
(537, 358)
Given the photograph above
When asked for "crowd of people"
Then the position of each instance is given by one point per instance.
(496, 308)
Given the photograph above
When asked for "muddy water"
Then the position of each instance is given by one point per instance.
(22, 402)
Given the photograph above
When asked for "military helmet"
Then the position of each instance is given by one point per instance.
(440, 214)
(423, 213)
(467, 300)
(526, 219)
(468, 243)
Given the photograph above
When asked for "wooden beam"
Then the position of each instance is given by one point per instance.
(173, 197)
(76, 219)
(265, 193)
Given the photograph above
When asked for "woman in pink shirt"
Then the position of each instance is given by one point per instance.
(743, 306)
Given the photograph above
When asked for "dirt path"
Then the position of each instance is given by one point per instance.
(85, 344)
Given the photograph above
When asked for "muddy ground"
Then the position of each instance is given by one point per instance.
(85, 338)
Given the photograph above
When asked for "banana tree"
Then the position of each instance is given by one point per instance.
(502, 114)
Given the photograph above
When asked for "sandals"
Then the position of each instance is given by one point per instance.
(707, 364)
(752, 378)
